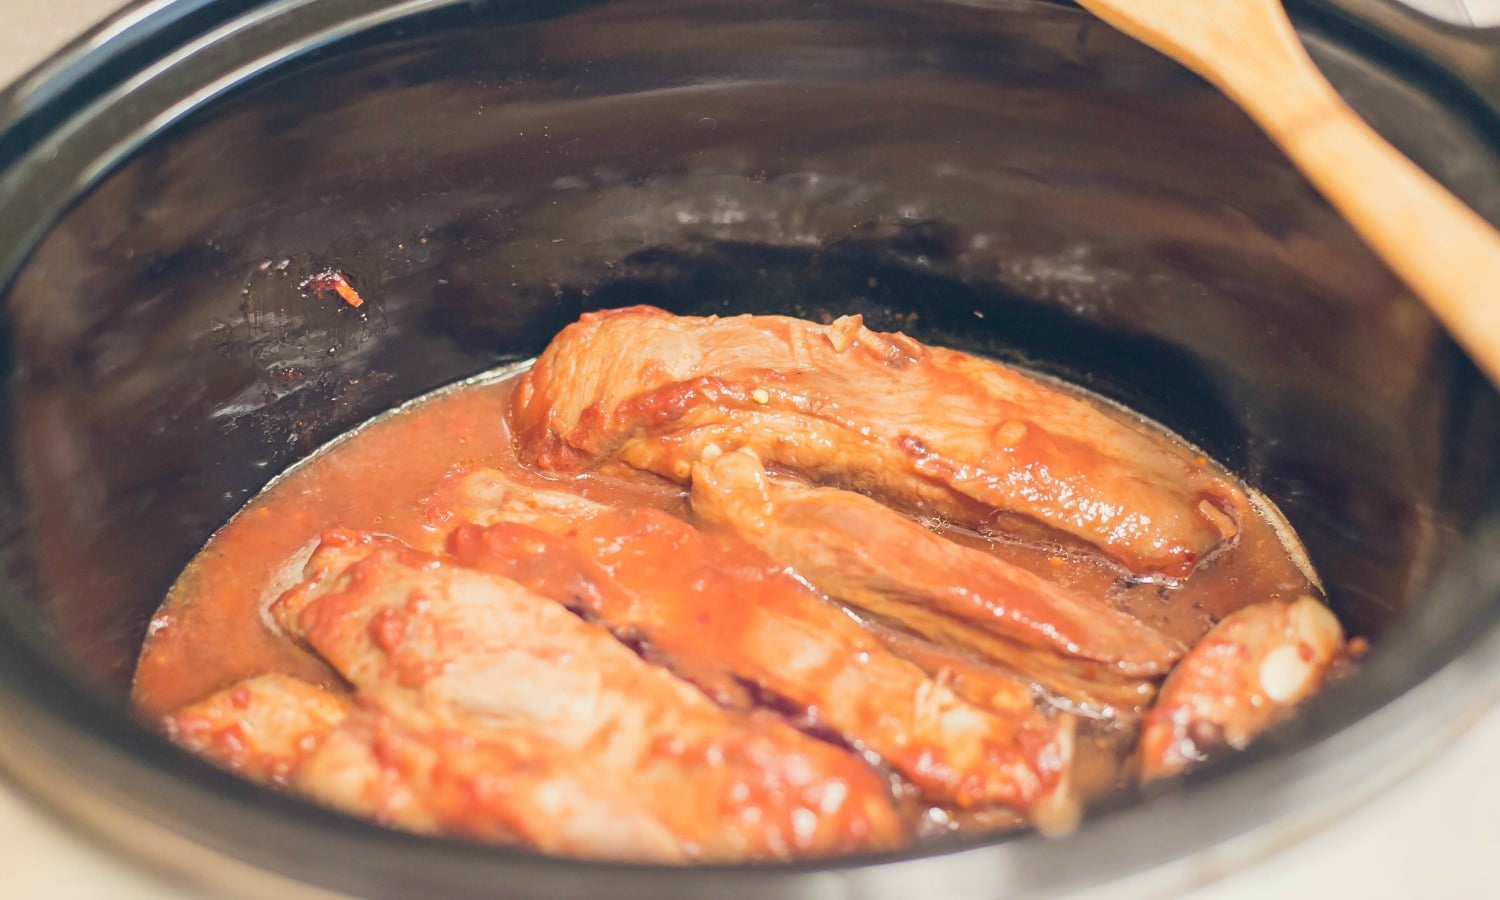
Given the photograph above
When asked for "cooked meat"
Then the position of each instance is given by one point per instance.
(978, 678)
(882, 563)
(855, 549)
(930, 429)
(738, 589)
(443, 648)
(538, 550)
(506, 788)
(284, 731)
(361, 769)
(262, 727)
(1085, 687)
(1251, 668)
(706, 604)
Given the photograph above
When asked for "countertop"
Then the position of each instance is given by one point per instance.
(1468, 12)
(1435, 835)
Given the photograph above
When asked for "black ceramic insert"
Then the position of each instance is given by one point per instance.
(1010, 178)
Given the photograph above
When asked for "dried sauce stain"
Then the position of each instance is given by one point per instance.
(336, 282)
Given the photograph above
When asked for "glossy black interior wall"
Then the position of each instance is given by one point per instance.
(1018, 181)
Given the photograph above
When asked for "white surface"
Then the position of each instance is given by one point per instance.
(1483, 12)
(1469, 12)
(1447, 10)
(41, 859)
(1437, 835)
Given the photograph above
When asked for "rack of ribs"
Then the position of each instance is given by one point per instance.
(711, 608)
(444, 650)
(877, 560)
(930, 430)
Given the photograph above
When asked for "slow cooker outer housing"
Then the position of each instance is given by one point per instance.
(1011, 178)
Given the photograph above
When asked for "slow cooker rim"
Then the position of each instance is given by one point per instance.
(35, 687)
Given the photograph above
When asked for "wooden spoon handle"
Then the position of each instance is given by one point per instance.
(1446, 253)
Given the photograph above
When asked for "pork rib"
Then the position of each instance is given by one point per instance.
(503, 787)
(877, 560)
(328, 747)
(443, 648)
(1247, 671)
(873, 557)
(261, 728)
(931, 429)
(706, 605)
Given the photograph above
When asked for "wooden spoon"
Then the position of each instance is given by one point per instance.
(1445, 253)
